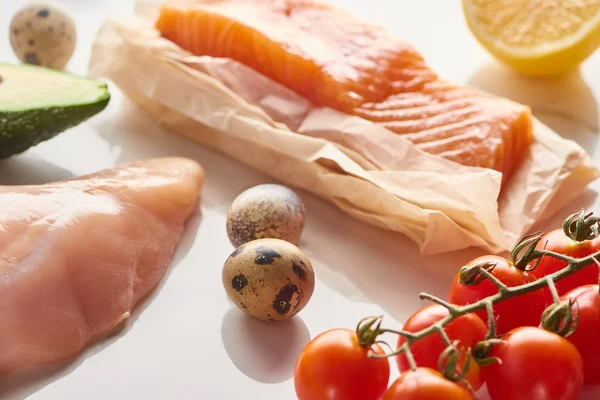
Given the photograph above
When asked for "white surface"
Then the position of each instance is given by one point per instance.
(186, 341)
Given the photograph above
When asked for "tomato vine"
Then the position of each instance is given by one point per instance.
(526, 255)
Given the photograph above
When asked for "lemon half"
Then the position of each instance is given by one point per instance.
(536, 37)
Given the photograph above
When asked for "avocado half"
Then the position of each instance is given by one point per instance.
(38, 103)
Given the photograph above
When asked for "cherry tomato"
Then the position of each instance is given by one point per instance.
(467, 329)
(587, 335)
(334, 366)
(535, 365)
(558, 242)
(425, 384)
(524, 310)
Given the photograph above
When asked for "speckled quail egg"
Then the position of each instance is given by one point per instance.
(269, 279)
(43, 34)
(265, 211)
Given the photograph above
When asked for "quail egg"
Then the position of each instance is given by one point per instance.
(43, 34)
(269, 279)
(265, 211)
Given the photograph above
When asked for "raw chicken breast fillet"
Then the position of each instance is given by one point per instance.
(78, 255)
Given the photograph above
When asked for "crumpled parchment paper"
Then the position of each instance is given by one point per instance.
(368, 172)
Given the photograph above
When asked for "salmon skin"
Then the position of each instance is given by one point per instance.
(77, 256)
(335, 60)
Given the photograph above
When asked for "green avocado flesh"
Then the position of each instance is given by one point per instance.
(38, 103)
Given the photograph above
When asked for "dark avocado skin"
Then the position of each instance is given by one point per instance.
(21, 130)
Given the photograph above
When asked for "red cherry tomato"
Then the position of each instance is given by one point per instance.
(524, 310)
(558, 242)
(535, 365)
(467, 329)
(586, 337)
(425, 384)
(334, 366)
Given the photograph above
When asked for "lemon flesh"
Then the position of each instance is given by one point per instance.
(536, 37)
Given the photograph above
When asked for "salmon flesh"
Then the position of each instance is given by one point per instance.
(335, 60)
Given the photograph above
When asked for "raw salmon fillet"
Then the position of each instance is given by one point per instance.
(337, 61)
(78, 255)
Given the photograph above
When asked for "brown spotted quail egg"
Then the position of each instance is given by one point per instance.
(270, 279)
(265, 211)
(43, 34)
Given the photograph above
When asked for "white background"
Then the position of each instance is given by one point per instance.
(186, 341)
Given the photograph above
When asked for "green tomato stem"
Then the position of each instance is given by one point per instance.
(553, 290)
(523, 252)
(444, 335)
(409, 357)
(581, 227)
(437, 300)
(407, 335)
(502, 288)
(491, 320)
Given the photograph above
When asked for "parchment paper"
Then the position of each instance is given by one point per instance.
(368, 172)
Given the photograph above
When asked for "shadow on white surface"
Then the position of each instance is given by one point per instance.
(28, 169)
(22, 383)
(566, 104)
(370, 265)
(264, 351)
